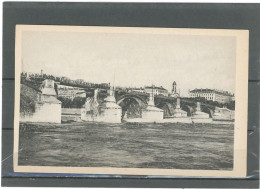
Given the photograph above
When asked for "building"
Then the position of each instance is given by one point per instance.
(81, 94)
(156, 90)
(212, 94)
(138, 90)
(70, 92)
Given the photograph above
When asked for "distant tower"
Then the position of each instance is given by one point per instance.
(41, 72)
(174, 90)
(174, 87)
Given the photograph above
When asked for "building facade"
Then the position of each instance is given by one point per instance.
(70, 92)
(212, 94)
(156, 90)
(138, 90)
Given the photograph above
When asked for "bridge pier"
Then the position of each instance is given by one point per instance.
(178, 116)
(200, 117)
(107, 112)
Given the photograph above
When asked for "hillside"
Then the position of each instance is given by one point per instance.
(28, 97)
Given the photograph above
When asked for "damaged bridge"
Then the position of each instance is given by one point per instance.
(133, 103)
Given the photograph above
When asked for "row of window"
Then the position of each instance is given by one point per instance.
(198, 94)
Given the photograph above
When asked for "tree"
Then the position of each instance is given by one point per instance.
(78, 102)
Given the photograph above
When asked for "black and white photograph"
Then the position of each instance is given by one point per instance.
(131, 101)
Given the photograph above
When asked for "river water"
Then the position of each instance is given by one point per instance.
(165, 146)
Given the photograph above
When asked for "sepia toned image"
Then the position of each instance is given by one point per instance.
(131, 101)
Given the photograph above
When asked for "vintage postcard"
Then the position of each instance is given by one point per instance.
(131, 101)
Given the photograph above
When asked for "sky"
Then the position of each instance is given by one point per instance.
(136, 60)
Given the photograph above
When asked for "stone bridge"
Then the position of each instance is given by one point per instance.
(134, 102)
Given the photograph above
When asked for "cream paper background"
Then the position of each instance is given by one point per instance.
(241, 91)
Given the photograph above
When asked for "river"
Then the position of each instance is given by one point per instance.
(166, 146)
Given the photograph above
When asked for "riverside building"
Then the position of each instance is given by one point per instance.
(70, 92)
(153, 90)
(212, 94)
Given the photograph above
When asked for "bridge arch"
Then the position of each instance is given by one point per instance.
(208, 110)
(139, 99)
(187, 108)
(168, 108)
(132, 105)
